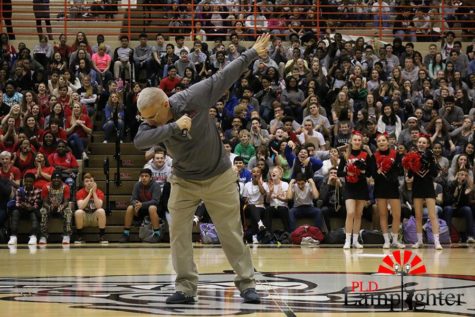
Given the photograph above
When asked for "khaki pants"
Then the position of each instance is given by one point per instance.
(221, 198)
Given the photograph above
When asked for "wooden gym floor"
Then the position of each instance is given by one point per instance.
(134, 280)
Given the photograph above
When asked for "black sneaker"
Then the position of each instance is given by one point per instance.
(250, 296)
(180, 298)
(124, 239)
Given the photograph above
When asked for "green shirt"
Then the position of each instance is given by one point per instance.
(245, 151)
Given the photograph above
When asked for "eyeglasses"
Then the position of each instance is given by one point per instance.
(154, 118)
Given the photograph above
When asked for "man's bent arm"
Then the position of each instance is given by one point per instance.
(148, 136)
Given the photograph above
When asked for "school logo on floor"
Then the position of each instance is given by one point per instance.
(217, 296)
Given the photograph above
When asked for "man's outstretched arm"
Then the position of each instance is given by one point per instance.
(212, 89)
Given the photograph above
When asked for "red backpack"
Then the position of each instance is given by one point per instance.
(306, 231)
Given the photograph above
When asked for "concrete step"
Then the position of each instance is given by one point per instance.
(97, 161)
(125, 188)
(125, 173)
(109, 149)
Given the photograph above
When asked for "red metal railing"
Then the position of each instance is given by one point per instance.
(219, 20)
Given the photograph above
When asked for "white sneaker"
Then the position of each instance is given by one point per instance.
(261, 226)
(196, 220)
(13, 240)
(254, 239)
(398, 245)
(105, 141)
(417, 245)
(470, 240)
(357, 245)
(347, 245)
(84, 156)
(386, 245)
(12, 249)
(438, 246)
(43, 240)
(33, 240)
(66, 240)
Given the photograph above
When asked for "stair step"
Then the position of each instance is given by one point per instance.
(96, 161)
(109, 149)
(129, 173)
(125, 187)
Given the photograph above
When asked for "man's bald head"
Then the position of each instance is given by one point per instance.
(151, 96)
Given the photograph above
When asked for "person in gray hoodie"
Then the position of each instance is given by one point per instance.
(144, 202)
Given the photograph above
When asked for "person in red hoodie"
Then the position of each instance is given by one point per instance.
(8, 171)
(78, 128)
(64, 161)
(55, 129)
(42, 171)
(25, 157)
(49, 144)
(169, 83)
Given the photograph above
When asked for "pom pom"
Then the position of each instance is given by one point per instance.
(412, 162)
(352, 173)
(386, 164)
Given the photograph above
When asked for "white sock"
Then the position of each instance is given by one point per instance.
(260, 224)
(386, 237)
(395, 237)
(347, 237)
(436, 238)
(355, 238)
(419, 237)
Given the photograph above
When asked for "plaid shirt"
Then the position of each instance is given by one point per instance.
(31, 197)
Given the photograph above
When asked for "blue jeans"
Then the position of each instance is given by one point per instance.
(109, 129)
(384, 20)
(465, 212)
(77, 144)
(305, 211)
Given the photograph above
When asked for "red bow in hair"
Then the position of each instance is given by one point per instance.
(356, 132)
(427, 136)
(382, 134)
(412, 161)
(355, 173)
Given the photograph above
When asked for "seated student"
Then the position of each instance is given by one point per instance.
(90, 213)
(331, 194)
(55, 199)
(458, 203)
(27, 204)
(244, 174)
(276, 192)
(42, 171)
(244, 149)
(64, 161)
(144, 202)
(254, 194)
(303, 192)
(25, 157)
(8, 171)
(160, 170)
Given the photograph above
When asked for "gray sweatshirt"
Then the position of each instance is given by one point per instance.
(203, 156)
(147, 195)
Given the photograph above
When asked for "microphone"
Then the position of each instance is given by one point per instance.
(184, 132)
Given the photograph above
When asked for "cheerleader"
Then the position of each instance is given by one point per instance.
(422, 169)
(386, 163)
(353, 166)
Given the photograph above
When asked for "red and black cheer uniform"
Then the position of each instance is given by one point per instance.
(358, 164)
(386, 185)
